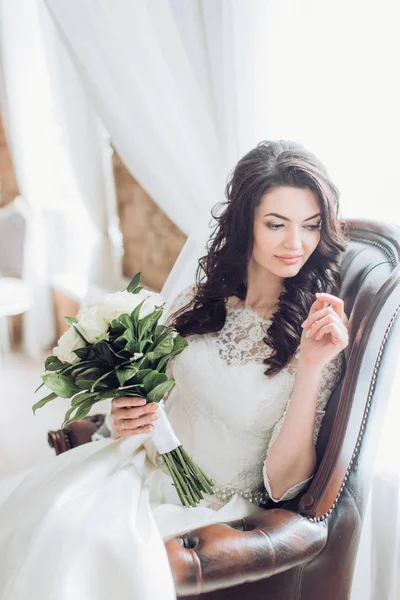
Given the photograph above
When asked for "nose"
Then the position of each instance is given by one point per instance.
(293, 239)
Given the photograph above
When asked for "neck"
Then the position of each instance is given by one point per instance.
(263, 287)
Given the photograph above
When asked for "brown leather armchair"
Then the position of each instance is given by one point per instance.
(305, 549)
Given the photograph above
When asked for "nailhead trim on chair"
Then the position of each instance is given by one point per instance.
(365, 417)
(67, 441)
(384, 249)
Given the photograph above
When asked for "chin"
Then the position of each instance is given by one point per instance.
(288, 271)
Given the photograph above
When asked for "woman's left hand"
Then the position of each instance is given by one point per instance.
(324, 331)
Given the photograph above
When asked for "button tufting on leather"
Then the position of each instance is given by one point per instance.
(307, 500)
(189, 542)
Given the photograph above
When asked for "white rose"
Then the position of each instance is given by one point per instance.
(67, 343)
(91, 323)
(119, 303)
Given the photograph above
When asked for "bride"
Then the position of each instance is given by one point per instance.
(265, 332)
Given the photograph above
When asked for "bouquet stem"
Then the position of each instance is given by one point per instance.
(189, 480)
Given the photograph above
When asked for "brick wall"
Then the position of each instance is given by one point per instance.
(151, 241)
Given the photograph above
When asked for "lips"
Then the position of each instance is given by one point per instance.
(290, 256)
(289, 260)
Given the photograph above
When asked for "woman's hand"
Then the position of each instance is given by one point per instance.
(324, 331)
(131, 416)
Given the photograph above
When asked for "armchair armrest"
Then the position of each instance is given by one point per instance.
(228, 554)
(75, 434)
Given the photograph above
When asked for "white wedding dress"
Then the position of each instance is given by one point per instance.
(90, 523)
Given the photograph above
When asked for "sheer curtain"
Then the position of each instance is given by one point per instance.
(63, 163)
(87, 146)
(174, 86)
(26, 111)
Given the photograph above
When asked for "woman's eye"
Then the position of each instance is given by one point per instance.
(275, 225)
(313, 227)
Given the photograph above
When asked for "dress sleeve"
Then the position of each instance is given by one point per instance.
(331, 376)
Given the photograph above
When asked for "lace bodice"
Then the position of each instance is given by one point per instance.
(223, 408)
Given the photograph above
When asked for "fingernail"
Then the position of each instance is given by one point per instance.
(154, 416)
(304, 324)
(308, 333)
(143, 401)
(318, 294)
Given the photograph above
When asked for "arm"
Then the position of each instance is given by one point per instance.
(292, 425)
(291, 458)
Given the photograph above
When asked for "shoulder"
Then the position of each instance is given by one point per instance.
(181, 299)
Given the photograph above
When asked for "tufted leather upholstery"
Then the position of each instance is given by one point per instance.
(305, 549)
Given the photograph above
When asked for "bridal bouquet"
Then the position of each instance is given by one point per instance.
(117, 348)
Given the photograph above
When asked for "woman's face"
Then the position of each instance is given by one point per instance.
(287, 225)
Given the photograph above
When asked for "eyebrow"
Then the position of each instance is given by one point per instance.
(286, 219)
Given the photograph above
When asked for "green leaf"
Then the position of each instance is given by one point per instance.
(82, 352)
(43, 401)
(126, 320)
(82, 412)
(82, 397)
(142, 374)
(131, 391)
(136, 313)
(82, 409)
(71, 320)
(106, 394)
(152, 380)
(158, 392)
(147, 323)
(134, 282)
(126, 374)
(62, 385)
(87, 377)
(144, 364)
(68, 415)
(128, 336)
(132, 347)
(179, 344)
(80, 367)
(37, 389)
(52, 363)
(116, 326)
(164, 347)
(138, 289)
(89, 373)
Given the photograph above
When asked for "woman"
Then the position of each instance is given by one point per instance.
(265, 332)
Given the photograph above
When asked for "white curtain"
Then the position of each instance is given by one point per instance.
(185, 88)
(63, 163)
(89, 153)
(174, 85)
(26, 107)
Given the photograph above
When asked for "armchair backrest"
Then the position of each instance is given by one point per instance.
(339, 490)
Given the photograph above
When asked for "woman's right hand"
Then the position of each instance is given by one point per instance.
(130, 415)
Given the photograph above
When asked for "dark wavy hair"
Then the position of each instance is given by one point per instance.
(222, 273)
